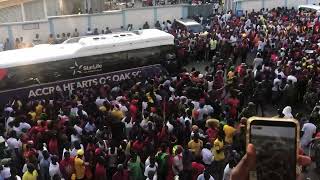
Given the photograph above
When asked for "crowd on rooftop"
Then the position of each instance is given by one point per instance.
(187, 126)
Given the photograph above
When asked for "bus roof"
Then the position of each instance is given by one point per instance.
(188, 22)
(86, 46)
(310, 6)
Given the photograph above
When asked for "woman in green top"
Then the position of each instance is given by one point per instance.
(136, 168)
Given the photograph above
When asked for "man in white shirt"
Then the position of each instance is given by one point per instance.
(78, 128)
(292, 78)
(1, 47)
(90, 127)
(153, 166)
(308, 129)
(89, 32)
(261, 45)
(205, 176)
(177, 165)
(100, 101)
(206, 154)
(257, 61)
(13, 142)
(36, 40)
(24, 126)
(5, 172)
(202, 111)
(233, 40)
(279, 72)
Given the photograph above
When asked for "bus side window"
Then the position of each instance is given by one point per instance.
(144, 57)
(114, 61)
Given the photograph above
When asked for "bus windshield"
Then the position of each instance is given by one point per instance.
(195, 28)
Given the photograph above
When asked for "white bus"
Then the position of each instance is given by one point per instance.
(83, 62)
(310, 9)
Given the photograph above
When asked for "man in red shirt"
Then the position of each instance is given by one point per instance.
(133, 109)
(197, 168)
(233, 103)
(121, 174)
(100, 172)
(138, 145)
(67, 166)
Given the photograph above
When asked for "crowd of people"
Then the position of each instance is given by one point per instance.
(188, 126)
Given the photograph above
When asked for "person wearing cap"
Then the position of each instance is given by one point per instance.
(80, 165)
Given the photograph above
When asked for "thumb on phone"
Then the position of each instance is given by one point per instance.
(247, 163)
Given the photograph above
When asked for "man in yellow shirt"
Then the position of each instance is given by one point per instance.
(31, 173)
(33, 114)
(195, 145)
(39, 109)
(79, 165)
(117, 113)
(217, 149)
(218, 153)
(229, 131)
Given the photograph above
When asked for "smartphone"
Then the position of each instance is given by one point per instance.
(276, 142)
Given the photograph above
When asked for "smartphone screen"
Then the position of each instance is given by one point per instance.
(275, 143)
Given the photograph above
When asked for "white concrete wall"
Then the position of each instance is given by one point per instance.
(111, 20)
(69, 23)
(28, 35)
(249, 5)
(137, 17)
(270, 4)
(34, 10)
(114, 20)
(3, 33)
(11, 14)
(294, 4)
(169, 13)
(53, 8)
(259, 4)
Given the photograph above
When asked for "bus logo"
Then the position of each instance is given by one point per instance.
(83, 69)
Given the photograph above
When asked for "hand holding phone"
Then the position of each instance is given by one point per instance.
(248, 163)
(268, 150)
(276, 143)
